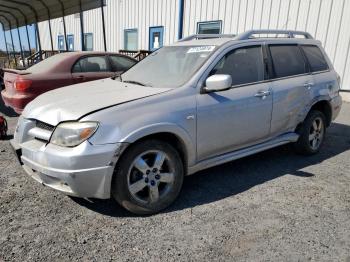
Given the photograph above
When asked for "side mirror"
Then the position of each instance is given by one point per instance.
(217, 83)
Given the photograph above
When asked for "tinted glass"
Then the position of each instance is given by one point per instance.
(315, 57)
(245, 65)
(287, 60)
(91, 64)
(121, 63)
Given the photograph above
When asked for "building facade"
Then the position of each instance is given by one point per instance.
(150, 24)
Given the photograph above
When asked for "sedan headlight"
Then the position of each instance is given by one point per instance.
(70, 134)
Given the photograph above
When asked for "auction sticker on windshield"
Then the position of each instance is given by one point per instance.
(199, 49)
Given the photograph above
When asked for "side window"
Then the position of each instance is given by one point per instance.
(287, 60)
(120, 63)
(245, 65)
(90, 64)
(315, 57)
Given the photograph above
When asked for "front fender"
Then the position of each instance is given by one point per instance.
(174, 129)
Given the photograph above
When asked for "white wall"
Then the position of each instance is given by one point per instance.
(119, 15)
(326, 20)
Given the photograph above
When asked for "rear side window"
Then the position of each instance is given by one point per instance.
(244, 65)
(315, 57)
(287, 60)
(120, 63)
(90, 64)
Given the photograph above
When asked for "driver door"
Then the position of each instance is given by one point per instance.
(240, 116)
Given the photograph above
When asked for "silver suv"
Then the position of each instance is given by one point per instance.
(201, 102)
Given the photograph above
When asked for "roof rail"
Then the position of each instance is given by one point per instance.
(206, 36)
(291, 34)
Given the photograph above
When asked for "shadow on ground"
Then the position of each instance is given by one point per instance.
(238, 176)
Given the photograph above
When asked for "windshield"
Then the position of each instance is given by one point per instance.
(168, 67)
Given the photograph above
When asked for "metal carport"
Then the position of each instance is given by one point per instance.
(17, 13)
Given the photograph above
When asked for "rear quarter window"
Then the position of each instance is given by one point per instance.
(287, 60)
(315, 57)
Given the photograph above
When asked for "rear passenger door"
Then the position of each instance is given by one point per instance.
(291, 85)
(90, 68)
(238, 117)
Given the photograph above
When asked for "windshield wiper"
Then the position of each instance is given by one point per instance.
(135, 82)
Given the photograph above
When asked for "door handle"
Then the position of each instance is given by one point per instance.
(263, 93)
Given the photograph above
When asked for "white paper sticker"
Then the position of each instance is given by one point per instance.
(199, 49)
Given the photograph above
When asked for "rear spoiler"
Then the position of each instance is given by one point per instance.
(15, 71)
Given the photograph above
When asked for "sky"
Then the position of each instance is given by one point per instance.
(23, 35)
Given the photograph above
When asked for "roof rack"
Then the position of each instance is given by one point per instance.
(206, 36)
(291, 34)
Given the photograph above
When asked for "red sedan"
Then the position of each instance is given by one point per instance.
(22, 86)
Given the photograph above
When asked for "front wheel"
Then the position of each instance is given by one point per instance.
(312, 133)
(148, 177)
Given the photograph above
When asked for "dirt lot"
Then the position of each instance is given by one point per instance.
(274, 206)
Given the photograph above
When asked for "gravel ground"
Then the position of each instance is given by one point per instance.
(274, 206)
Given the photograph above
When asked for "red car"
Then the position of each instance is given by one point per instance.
(22, 86)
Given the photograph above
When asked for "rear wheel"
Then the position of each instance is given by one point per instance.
(148, 177)
(312, 133)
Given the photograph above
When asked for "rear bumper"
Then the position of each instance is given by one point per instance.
(16, 101)
(82, 171)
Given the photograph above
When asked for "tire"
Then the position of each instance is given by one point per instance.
(146, 168)
(311, 136)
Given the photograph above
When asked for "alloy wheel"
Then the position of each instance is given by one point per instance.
(316, 133)
(151, 176)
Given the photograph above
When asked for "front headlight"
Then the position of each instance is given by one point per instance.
(71, 134)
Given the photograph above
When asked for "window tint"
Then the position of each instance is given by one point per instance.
(245, 65)
(315, 57)
(121, 63)
(91, 64)
(287, 60)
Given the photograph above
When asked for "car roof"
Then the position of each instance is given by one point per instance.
(222, 41)
(261, 35)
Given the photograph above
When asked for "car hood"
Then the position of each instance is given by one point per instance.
(73, 102)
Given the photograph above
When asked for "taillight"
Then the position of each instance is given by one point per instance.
(22, 84)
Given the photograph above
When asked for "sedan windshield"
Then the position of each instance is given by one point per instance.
(168, 67)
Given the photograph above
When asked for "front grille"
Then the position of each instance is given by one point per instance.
(44, 126)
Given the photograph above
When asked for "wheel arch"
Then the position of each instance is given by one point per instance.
(170, 133)
(325, 107)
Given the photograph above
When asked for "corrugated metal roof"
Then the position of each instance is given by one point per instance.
(17, 13)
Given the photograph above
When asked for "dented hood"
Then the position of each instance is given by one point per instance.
(73, 102)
